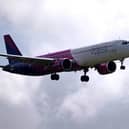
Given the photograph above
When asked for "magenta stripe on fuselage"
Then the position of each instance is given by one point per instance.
(56, 66)
(60, 54)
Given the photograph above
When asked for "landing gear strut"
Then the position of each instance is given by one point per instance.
(122, 67)
(55, 77)
(85, 78)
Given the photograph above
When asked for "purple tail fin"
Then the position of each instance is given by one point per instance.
(11, 47)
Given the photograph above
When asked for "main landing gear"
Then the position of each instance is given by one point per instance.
(85, 78)
(55, 77)
(122, 67)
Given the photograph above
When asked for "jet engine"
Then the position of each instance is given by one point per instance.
(106, 68)
(66, 64)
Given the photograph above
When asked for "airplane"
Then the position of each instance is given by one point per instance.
(99, 56)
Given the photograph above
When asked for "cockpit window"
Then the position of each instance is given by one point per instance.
(125, 43)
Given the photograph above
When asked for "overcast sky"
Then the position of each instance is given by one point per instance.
(42, 26)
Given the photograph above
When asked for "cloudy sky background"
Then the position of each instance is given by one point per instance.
(42, 26)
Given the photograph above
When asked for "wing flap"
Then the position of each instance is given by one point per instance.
(31, 60)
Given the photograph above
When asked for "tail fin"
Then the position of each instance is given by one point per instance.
(11, 47)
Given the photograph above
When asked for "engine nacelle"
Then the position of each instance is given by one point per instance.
(106, 68)
(66, 64)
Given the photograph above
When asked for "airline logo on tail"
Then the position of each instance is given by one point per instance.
(11, 47)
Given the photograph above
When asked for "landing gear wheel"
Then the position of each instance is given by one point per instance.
(122, 67)
(55, 77)
(84, 78)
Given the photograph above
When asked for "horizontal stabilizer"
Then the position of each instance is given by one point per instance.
(30, 60)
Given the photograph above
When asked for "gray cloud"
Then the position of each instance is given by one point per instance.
(22, 116)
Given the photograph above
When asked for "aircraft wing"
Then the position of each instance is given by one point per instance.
(31, 60)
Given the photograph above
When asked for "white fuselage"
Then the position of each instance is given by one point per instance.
(100, 53)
